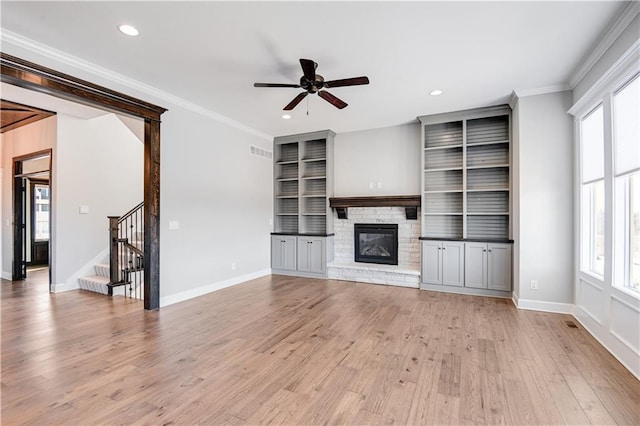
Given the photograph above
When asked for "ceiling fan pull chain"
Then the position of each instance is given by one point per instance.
(307, 105)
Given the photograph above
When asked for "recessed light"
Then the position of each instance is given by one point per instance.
(128, 30)
(286, 116)
(436, 92)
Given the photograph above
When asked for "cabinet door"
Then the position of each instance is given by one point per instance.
(475, 259)
(283, 252)
(317, 261)
(277, 252)
(431, 266)
(311, 255)
(303, 254)
(452, 263)
(289, 253)
(499, 262)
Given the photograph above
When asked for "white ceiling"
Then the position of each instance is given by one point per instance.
(211, 53)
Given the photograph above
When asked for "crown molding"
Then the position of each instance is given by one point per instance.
(9, 37)
(513, 99)
(623, 69)
(521, 93)
(619, 25)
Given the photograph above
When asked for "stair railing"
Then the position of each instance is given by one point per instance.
(126, 252)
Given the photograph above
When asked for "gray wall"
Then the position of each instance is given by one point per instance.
(221, 196)
(543, 207)
(388, 155)
(98, 163)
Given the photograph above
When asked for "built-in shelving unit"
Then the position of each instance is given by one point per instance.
(302, 242)
(466, 161)
(303, 183)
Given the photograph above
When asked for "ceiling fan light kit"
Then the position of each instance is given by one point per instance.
(314, 83)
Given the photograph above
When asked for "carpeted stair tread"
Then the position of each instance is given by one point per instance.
(94, 283)
(102, 269)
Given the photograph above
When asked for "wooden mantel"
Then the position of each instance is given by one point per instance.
(409, 202)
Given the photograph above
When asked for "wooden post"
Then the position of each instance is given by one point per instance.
(151, 214)
(113, 251)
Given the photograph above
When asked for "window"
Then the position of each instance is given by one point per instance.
(593, 202)
(626, 147)
(41, 193)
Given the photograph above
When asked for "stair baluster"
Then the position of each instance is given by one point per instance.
(126, 252)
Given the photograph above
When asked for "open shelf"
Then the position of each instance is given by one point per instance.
(466, 174)
(444, 180)
(303, 182)
(443, 202)
(443, 135)
(444, 158)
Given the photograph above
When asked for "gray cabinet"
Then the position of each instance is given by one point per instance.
(499, 267)
(488, 266)
(300, 255)
(283, 252)
(476, 265)
(466, 267)
(443, 263)
(311, 255)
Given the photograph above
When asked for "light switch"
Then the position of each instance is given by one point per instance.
(84, 209)
(173, 225)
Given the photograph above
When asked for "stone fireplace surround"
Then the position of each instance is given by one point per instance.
(405, 274)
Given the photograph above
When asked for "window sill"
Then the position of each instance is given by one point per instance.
(626, 290)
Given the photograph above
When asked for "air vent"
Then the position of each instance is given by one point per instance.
(571, 324)
(260, 152)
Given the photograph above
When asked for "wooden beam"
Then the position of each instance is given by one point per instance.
(409, 202)
(382, 201)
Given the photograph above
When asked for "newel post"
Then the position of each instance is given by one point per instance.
(113, 251)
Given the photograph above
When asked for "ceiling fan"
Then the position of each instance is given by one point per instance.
(314, 83)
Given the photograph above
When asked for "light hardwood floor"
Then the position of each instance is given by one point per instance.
(298, 351)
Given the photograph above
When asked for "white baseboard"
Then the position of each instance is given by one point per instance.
(200, 291)
(59, 288)
(6, 275)
(633, 368)
(86, 270)
(541, 305)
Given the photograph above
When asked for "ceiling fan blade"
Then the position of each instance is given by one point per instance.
(291, 105)
(275, 85)
(338, 103)
(309, 69)
(355, 81)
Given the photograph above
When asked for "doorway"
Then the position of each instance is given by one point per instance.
(22, 73)
(32, 215)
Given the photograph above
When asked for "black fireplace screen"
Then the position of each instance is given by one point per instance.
(376, 243)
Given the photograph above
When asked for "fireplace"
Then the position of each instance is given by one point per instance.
(376, 243)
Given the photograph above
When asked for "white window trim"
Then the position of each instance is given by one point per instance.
(602, 92)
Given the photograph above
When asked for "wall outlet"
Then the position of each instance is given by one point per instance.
(370, 185)
(174, 225)
(534, 284)
(379, 185)
(233, 266)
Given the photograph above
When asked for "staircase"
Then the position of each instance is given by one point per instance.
(98, 283)
(123, 272)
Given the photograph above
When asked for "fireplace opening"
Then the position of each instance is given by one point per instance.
(376, 243)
